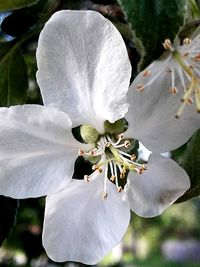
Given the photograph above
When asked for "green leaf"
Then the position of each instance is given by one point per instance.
(8, 210)
(153, 21)
(13, 79)
(15, 4)
(188, 158)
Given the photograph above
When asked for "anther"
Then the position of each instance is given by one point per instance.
(104, 195)
(122, 175)
(140, 87)
(107, 144)
(127, 143)
(197, 57)
(119, 189)
(146, 73)
(186, 54)
(187, 41)
(168, 45)
(173, 90)
(86, 178)
(81, 152)
(133, 157)
(112, 178)
(168, 70)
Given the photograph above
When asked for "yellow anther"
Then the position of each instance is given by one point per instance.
(140, 87)
(187, 41)
(173, 90)
(146, 73)
(104, 195)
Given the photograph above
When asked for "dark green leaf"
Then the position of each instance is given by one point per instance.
(153, 21)
(189, 158)
(15, 4)
(8, 210)
(13, 79)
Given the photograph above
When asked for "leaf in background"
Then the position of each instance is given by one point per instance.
(8, 210)
(13, 78)
(153, 21)
(188, 158)
(15, 4)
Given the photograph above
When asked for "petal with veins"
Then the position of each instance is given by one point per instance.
(83, 67)
(37, 151)
(151, 192)
(151, 114)
(78, 213)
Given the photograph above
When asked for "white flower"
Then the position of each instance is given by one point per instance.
(177, 72)
(84, 71)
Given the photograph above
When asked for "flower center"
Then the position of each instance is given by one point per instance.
(192, 90)
(112, 159)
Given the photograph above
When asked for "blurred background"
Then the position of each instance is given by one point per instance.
(170, 240)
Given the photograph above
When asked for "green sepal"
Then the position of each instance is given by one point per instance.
(89, 134)
(117, 127)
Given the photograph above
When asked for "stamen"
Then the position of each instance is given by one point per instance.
(126, 144)
(197, 57)
(119, 139)
(104, 194)
(116, 180)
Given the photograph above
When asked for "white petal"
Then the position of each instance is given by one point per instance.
(151, 114)
(37, 151)
(151, 192)
(81, 226)
(83, 67)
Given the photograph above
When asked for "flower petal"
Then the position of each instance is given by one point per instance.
(81, 226)
(151, 114)
(151, 192)
(37, 151)
(83, 67)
